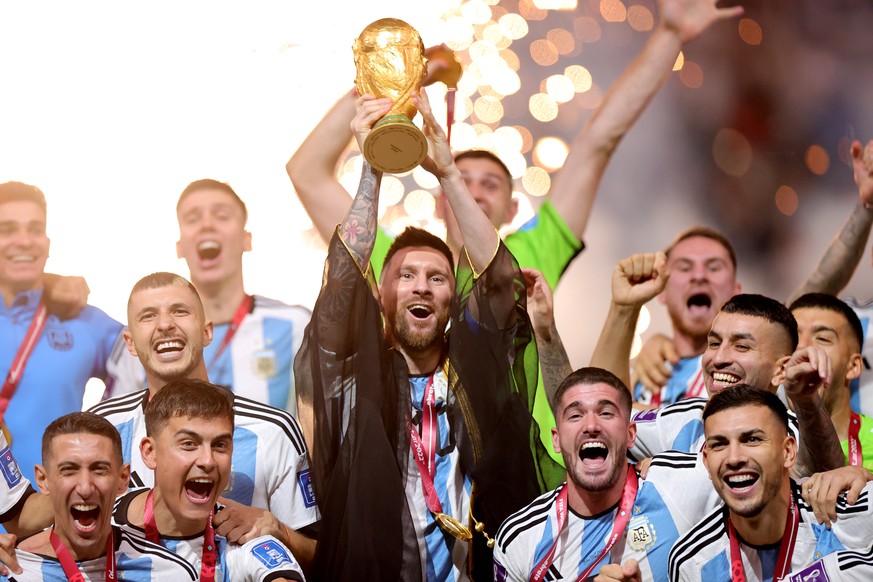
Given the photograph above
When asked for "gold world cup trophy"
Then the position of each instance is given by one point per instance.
(390, 62)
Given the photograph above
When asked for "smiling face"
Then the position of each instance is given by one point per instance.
(702, 279)
(191, 458)
(743, 349)
(24, 247)
(167, 331)
(82, 475)
(417, 289)
(212, 235)
(593, 435)
(748, 454)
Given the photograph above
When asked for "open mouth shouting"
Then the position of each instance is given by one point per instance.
(420, 311)
(208, 249)
(593, 454)
(199, 490)
(85, 517)
(699, 304)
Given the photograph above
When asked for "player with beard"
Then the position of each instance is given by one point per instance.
(765, 530)
(430, 419)
(753, 340)
(268, 491)
(256, 338)
(604, 516)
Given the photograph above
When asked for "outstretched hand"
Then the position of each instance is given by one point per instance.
(688, 18)
(439, 160)
(540, 304)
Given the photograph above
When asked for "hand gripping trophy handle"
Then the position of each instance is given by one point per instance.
(390, 62)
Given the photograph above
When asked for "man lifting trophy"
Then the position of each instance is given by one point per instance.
(390, 63)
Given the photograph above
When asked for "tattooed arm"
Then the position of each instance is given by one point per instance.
(554, 362)
(358, 228)
(838, 264)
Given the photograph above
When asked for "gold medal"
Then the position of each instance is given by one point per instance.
(453, 527)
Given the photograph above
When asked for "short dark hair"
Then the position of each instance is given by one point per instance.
(188, 398)
(745, 395)
(766, 308)
(587, 377)
(485, 155)
(21, 192)
(831, 303)
(418, 237)
(210, 184)
(163, 279)
(81, 423)
(704, 232)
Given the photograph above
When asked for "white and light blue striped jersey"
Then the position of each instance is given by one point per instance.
(704, 552)
(14, 487)
(65, 356)
(136, 559)
(678, 427)
(687, 378)
(259, 560)
(444, 557)
(674, 496)
(258, 363)
(862, 388)
(270, 464)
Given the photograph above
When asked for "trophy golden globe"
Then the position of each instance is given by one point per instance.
(390, 62)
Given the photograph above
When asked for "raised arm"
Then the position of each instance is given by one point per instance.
(313, 166)
(358, 228)
(635, 281)
(836, 267)
(575, 186)
(479, 236)
(554, 362)
(803, 375)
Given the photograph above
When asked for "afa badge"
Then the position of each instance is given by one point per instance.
(264, 363)
(641, 535)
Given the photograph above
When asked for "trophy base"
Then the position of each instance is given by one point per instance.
(395, 145)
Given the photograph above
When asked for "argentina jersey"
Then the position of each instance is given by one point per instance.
(270, 465)
(686, 382)
(861, 388)
(137, 560)
(261, 559)
(675, 494)
(258, 363)
(840, 566)
(678, 427)
(704, 552)
(444, 557)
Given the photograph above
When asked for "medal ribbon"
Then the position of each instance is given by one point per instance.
(786, 548)
(622, 515)
(424, 447)
(244, 309)
(856, 458)
(71, 570)
(207, 557)
(450, 112)
(16, 370)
